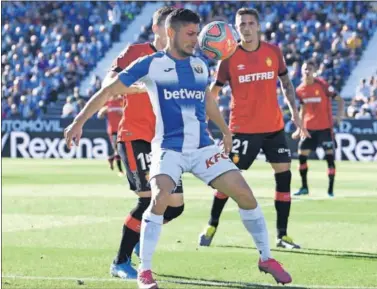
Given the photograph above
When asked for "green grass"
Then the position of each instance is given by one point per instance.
(61, 222)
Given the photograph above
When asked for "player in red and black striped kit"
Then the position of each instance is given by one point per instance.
(315, 96)
(113, 111)
(255, 117)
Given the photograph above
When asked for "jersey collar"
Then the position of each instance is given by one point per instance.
(259, 45)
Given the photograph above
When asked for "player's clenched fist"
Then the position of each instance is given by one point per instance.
(72, 133)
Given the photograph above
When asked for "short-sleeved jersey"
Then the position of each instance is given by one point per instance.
(138, 121)
(177, 92)
(316, 98)
(252, 76)
(114, 114)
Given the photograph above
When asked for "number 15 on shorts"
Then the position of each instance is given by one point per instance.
(144, 160)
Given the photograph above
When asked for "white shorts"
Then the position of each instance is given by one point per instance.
(205, 163)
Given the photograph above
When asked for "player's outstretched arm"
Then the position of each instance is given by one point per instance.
(74, 130)
(133, 89)
(214, 114)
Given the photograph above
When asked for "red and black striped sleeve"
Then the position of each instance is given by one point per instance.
(125, 58)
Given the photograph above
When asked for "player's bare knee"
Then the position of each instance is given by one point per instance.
(304, 152)
(281, 167)
(162, 186)
(160, 200)
(245, 199)
(144, 194)
(329, 152)
(176, 200)
(244, 196)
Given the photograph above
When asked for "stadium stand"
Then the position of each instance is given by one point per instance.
(48, 47)
(332, 34)
(364, 104)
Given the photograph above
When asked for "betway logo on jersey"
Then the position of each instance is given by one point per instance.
(256, 77)
(184, 93)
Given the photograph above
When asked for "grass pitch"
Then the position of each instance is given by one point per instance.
(61, 225)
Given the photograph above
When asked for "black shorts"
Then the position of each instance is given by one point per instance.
(323, 138)
(135, 156)
(247, 146)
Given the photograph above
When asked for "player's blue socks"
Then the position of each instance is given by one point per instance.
(255, 224)
(149, 236)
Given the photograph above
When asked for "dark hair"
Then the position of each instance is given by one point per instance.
(248, 11)
(160, 15)
(309, 62)
(181, 17)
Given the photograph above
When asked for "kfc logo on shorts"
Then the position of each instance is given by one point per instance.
(215, 159)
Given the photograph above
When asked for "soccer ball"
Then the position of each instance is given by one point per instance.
(218, 40)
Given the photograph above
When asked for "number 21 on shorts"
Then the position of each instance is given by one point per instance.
(240, 147)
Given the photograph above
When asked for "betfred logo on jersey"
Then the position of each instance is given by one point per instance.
(312, 100)
(184, 93)
(256, 77)
(215, 159)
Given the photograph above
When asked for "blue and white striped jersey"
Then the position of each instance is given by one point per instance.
(176, 89)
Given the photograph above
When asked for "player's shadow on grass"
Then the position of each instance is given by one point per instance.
(211, 283)
(316, 252)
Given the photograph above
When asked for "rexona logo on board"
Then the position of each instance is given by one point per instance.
(19, 144)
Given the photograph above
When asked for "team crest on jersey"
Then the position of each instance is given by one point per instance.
(147, 176)
(316, 92)
(268, 61)
(236, 158)
(198, 68)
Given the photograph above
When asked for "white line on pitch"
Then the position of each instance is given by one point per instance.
(181, 281)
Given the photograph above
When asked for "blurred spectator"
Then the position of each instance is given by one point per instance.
(40, 53)
(70, 76)
(76, 35)
(373, 106)
(364, 112)
(352, 109)
(354, 42)
(114, 18)
(14, 113)
(373, 85)
(68, 108)
(363, 90)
